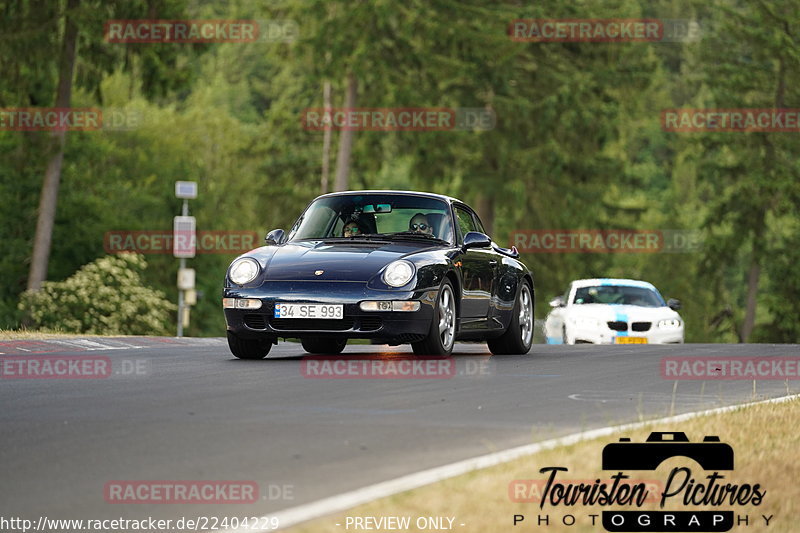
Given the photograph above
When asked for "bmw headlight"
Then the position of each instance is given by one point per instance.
(398, 273)
(670, 323)
(243, 270)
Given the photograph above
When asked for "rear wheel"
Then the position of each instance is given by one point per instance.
(324, 346)
(442, 334)
(519, 335)
(248, 348)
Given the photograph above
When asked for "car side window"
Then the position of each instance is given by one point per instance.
(465, 223)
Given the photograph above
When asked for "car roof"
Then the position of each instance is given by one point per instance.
(443, 197)
(613, 282)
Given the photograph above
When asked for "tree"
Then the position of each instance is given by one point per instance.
(88, 18)
(52, 176)
(346, 137)
(753, 179)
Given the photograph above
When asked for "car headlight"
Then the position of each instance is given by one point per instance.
(398, 273)
(586, 322)
(243, 270)
(670, 323)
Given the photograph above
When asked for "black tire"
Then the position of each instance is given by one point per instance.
(442, 333)
(518, 337)
(248, 348)
(324, 346)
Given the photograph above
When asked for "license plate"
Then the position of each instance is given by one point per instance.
(309, 311)
(630, 340)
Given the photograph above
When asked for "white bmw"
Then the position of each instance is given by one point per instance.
(613, 311)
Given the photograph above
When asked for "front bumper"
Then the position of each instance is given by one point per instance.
(395, 327)
(654, 336)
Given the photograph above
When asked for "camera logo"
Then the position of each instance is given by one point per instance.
(711, 454)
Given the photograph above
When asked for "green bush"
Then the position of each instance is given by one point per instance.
(105, 297)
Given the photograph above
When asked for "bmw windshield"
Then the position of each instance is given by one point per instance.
(619, 295)
(374, 215)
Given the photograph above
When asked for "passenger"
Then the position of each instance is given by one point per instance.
(419, 224)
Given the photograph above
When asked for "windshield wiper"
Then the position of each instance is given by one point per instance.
(360, 236)
(414, 234)
(369, 237)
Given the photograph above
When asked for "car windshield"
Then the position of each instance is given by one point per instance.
(366, 215)
(618, 295)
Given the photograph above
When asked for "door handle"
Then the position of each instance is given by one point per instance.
(493, 262)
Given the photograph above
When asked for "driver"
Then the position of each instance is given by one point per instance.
(351, 229)
(419, 224)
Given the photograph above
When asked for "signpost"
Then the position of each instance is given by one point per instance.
(184, 237)
(184, 246)
(186, 190)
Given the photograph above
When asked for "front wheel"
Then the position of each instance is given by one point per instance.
(442, 334)
(248, 348)
(324, 346)
(518, 337)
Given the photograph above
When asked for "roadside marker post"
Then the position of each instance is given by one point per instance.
(184, 245)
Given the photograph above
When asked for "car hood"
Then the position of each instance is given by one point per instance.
(624, 313)
(337, 261)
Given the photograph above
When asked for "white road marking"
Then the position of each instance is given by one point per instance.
(88, 345)
(605, 396)
(342, 502)
(577, 397)
(85, 344)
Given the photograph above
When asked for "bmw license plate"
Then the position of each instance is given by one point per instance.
(309, 310)
(630, 340)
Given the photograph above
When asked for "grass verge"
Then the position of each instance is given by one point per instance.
(43, 334)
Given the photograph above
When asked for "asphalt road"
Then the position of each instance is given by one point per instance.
(187, 410)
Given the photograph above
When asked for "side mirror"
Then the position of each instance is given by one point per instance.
(674, 304)
(275, 237)
(476, 239)
(558, 301)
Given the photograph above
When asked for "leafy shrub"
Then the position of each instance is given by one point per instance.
(106, 297)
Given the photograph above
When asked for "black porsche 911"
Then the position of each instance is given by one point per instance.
(392, 266)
